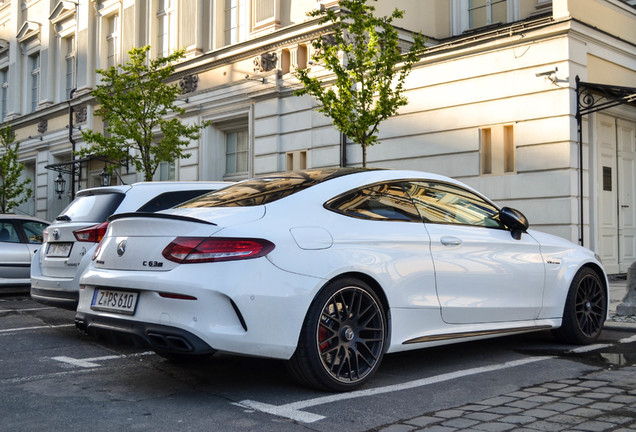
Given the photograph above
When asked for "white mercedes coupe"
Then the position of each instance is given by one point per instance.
(331, 269)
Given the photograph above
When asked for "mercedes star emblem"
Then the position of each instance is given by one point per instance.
(121, 248)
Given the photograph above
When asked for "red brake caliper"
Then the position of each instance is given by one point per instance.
(322, 338)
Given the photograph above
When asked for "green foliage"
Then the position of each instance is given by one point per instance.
(362, 51)
(13, 191)
(137, 107)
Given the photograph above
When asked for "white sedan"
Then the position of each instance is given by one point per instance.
(331, 269)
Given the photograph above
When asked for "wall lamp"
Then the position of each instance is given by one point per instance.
(60, 183)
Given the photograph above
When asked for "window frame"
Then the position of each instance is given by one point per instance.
(329, 204)
(166, 33)
(467, 191)
(34, 81)
(4, 96)
(460, 17)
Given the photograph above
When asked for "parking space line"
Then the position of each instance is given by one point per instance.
(588, 348)
(293, 411)
(26, 310)
(35, 328)
(43, 376)
(90, 362)
(628, 340)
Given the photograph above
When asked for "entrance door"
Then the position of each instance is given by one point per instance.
(626, 143)
(617, 181)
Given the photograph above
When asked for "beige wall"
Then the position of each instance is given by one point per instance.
(602, 71)
(610, 16)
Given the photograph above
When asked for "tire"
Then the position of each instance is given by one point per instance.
(585, 309)
(343, 338)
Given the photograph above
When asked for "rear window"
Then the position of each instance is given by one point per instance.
(265, 190)
(170, 199)
(92, 208)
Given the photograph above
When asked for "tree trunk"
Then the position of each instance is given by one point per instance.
(364, 155)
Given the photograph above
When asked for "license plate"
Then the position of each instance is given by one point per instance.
(123, 302)
(59, 249)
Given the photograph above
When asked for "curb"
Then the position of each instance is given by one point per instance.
(619, 325)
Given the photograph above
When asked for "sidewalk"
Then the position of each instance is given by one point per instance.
(600, 401)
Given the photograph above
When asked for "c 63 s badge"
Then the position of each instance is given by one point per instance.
(152, 264)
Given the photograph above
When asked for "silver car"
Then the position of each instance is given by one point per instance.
(72, 237)
(20, 238)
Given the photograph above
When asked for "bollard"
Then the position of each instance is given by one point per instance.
(628, 305)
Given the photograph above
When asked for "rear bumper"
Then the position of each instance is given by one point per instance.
(160, 338)
(65, 299)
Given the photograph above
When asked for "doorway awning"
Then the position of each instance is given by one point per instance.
(593, 97)
(590, 98)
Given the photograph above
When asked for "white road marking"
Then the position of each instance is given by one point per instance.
(89, 362)
(293, 410)
(588, 348)
(628, 340)
(26, 310)
(12, 330)
(43, 376)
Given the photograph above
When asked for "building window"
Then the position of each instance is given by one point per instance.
(235, 21)
(34, 66)
(474, 14)
(165, 28)
(166, 171)
(112, 40)
(69, 58)
(236, 152)
(485, 12)
(497, 148)
(4, 80)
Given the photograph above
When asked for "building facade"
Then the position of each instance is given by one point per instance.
(494, 100)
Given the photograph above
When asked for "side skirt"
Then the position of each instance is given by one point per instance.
(475, 334)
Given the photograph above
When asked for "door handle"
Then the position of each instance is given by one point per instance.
(450, 241)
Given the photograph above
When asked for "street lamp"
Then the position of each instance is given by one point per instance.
(105, 177)
(59, 185)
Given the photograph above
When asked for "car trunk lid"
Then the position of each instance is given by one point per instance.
(135, 241)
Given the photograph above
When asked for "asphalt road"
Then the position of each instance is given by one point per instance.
(54, 378)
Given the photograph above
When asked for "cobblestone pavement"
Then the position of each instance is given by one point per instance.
(600, 401)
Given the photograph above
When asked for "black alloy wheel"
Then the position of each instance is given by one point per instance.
(343, 338)
(585, 309)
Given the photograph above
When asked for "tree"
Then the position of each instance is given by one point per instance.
(13, 191)
(138, 108)
(363, 52)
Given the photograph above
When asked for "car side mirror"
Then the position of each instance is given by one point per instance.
(514, 220)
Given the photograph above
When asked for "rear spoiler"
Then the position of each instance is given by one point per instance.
(158, 216)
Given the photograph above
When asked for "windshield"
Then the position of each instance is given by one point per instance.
(265, 190)
(92, 208)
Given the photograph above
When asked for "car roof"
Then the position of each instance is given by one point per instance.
(151, 186)
(5, 216)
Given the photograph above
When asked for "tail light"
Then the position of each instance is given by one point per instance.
(185, 250)
(93, 234)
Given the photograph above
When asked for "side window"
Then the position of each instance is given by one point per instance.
(445, 203)
(33, 231)
(386, 202)
(8, 233)
(170, 199)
